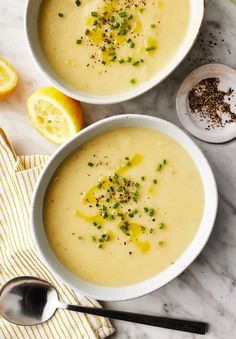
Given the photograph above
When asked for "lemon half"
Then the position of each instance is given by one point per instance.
(54, 115)
(8, 78)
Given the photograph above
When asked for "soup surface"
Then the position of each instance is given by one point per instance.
(89, 44)
(123, 206)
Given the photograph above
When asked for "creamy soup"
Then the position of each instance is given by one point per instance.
(123, 206)
(90, 43)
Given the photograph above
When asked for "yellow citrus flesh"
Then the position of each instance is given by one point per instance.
(8, 78)
(54, 115)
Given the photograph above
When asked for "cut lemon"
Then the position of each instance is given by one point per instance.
(54, 115)
(8, 78)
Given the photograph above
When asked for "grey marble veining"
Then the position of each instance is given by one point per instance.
(207, 289)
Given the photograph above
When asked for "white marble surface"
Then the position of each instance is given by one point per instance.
(207, 289)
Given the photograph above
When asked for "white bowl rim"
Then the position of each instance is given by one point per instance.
(195, 247)
(197, 14)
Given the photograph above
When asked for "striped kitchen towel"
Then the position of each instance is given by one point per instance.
(18, 255)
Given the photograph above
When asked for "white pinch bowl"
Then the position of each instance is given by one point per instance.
(31, 29)
(182, 262)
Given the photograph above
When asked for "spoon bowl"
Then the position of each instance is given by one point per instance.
(28, 301)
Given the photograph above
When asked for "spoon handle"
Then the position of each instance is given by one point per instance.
(174, 324)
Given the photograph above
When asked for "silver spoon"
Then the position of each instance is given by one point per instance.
(30, 301)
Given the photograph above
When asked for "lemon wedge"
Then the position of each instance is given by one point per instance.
(8, 78)
(54, 115)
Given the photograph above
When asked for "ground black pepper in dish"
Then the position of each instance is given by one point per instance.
(208, 103)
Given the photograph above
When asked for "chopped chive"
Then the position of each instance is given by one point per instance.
(124, 229)
(159, 167)
(104, 237)
(135, 211)
(87, 31)
(155, 181)
(115, 204)
(141, 10)
(151, 212)
(94, 238)
(131, 215)
(135, 63)
(78, 41)
(126, 158)
(151, 230)
(151, 48)
(153, 26)
(142, 178)
(78, 3)
(122, 14)
(136, 184)
(117, 25)
(129, 59)
(164, 162)
(94, 14)
(104, 215)
(130, 16)
(143, 228)
(104, 62)
(99, 227)
(94, 223)
(95, 23)
(160, 243)
(121, 61)
(133, 81)
(146, 209)
(60, 15)
(161, 225)
(103, 48)
(112, 53)
(90, 164)
(129, 40)
(134, 196)
(132, 44)
(100, 246)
